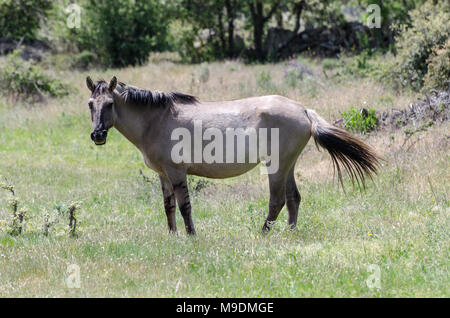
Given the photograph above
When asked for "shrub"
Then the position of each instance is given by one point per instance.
(24, 80)
(21, 18)
(264, 82)
(83, 60)
(112, 33)
(195, 45)
(124, 32)
(330, 63)
(438, 74)
(362, 121)
(430, 28)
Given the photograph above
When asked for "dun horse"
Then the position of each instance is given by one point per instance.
(148, 119)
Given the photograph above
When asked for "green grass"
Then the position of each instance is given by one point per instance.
(123, 248)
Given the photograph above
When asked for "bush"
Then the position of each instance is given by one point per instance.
(362, 121)
(430, 28)
(21, 18)
(195, 45)
(83, 60)
(265, 83)
(112, 33)
(24, 80)
(124, 32)
(438, 74)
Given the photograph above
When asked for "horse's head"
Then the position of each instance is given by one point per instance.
(101, 104)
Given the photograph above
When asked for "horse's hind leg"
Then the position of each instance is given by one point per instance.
(277, 185)
(292, 199)
(169, 203)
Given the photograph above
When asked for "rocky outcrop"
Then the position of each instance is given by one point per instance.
(322, 41)
(32, 50)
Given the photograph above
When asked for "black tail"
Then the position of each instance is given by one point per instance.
(357, 158)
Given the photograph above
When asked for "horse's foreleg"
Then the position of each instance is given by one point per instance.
(169, 203)
(277, 185)
(292, 199)
(180, 188)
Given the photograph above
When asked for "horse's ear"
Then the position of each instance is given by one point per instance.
(90, 84)
(112, 84)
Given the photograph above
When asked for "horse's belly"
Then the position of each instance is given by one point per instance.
(220, 170)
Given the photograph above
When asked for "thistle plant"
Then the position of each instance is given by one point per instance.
(18, 215)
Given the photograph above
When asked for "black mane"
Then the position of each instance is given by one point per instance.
(100, 88)
(157, 99)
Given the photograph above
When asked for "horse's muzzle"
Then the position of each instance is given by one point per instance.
(99, 136)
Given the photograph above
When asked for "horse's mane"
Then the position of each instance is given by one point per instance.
(139, 96)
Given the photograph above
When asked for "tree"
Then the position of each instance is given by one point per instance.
(217, 18)
(233, 9)
(20, 18)
(124, 32)
(259, 20)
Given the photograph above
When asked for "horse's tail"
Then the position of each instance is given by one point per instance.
(357, 158)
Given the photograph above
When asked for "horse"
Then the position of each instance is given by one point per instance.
(148, 119)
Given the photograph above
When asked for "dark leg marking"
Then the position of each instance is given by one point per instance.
(169, 204)
(293, 199)
(277, 185)
(182, 195)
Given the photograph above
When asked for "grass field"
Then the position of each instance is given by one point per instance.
(400, 223)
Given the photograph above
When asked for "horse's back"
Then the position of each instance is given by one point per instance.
(268, 111)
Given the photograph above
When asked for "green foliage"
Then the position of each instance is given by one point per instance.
(430, 28)
(197, 184)
(330, 63)
(13, 227)
(21, 18)
(438, 74)
(193, 46)
(199, 34)
(361, 65)
(19, 221)
(392, 12)
(83, 60)
(24, 80)
(121, 32)
(362, 121)
(264, 82)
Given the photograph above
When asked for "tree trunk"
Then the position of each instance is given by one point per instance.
(280, 19)
(298, 9)
(230, 16)
(221, 31)
(259, 20)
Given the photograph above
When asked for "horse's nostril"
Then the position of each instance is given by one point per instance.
(99, 135)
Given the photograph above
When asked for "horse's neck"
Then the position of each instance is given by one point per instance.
(132, 121)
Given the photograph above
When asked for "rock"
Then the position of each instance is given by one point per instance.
(31, 50)
(276, 38)
(435, 107)
(321, 41)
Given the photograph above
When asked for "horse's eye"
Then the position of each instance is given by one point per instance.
(91, 105)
